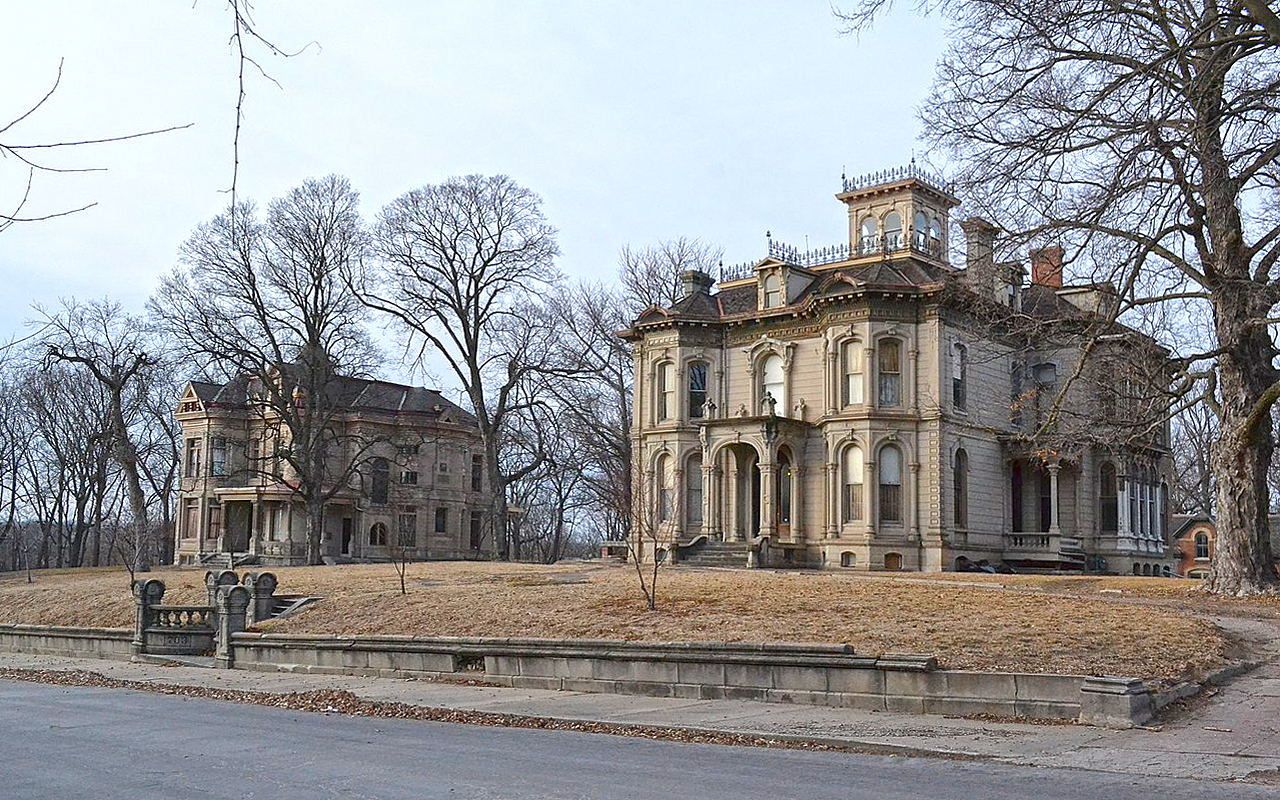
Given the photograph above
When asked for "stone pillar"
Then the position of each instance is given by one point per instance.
(146, 593)
(913, 359)
(869, 496)
(1054, 528)
(255, 526)
(869, 395)
(734, 533)
(913, 499)
(262, 587)
(834, 378)
(215, 578)
(797, 503)
(833, 500)
(679, 505)
(233, 601)
(708, 498)
(768, 524)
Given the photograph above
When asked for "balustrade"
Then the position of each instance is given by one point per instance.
(182, 617)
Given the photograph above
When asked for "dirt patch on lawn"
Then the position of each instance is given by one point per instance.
(1002, 623)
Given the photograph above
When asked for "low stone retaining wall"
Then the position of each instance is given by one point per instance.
(827, 675)
(49, 640)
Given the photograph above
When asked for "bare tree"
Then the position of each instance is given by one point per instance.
(112, 347)
(1145, 138)
(651, 275)
(461, 266)
(31, 155)
(596, 400)
(1192, 443)
(265, 302)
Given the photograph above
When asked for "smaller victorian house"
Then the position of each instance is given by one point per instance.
(411, 478)
(879, 405)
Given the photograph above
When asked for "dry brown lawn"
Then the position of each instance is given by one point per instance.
(1004, 623)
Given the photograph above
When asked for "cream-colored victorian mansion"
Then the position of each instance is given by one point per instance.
(852, 407)
(416, 492)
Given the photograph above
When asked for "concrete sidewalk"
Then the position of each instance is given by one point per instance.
(1235, 735)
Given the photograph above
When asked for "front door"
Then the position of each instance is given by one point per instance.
(347, 527)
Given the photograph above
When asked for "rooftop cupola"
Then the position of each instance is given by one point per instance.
(898, 212)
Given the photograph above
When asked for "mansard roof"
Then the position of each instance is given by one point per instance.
(353, 394)
(741, 301)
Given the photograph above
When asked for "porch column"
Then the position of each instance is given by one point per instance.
(797, 503)
(708, 497)
(768, 503)
(833, 500)
(1054, 530)
(733, 532)
(255, 524)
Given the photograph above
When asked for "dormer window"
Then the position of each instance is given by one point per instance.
(772, 291)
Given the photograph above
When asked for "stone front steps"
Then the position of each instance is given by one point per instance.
(716, 554)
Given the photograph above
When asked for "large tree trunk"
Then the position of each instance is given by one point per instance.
(1242, 559)
(315, 530)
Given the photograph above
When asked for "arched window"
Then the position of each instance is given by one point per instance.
(848, 559)
(891, 484)
(868, 241)
(773, 383)
(772, 290)
(697, 388)
(935, 230)
(693, 492)
(852, 469)
(960, 488)
(662, 481)
(889, 369)
(1109, 497)
(851, 370)
(893, 231)
(378, 535)
(381, 480)
(666, 390)
(1202, 545)
(959, 375)
(920, 230)
(893, 561)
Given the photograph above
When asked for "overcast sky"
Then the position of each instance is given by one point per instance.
(634, 121)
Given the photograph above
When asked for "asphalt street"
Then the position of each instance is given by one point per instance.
(61, 742)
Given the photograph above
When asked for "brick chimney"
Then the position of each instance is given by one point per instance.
(695, 281)
(1046, 266)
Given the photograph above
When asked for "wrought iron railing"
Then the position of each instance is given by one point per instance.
(897, 174)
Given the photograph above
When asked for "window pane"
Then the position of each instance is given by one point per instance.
(693, 490)
(890, 466)
(697, 388)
